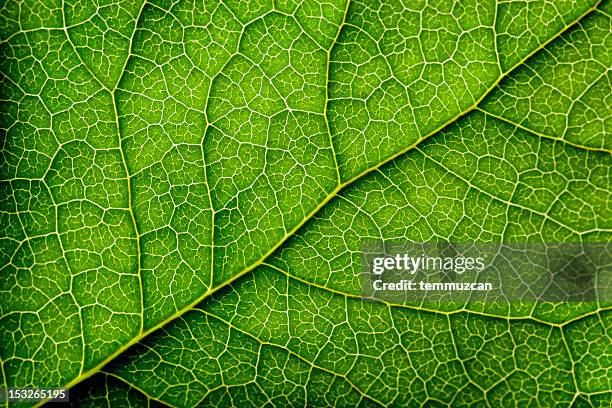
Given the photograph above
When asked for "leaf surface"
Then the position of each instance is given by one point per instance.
(155, 152)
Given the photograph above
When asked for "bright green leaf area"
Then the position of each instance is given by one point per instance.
(186, 186)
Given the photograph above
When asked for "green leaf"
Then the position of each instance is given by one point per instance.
(281, 341)
(155, 154)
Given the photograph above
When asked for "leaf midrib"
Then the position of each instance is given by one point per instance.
(335, 192)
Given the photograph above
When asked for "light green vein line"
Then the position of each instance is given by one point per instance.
(138, 15)
(112, 93)
(132, 217)
(544, 136)
(209, 124)
(325, 113)
(435, 311)
(127, 173)
(573, 363)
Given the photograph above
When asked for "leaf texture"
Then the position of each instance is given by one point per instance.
(187, 186)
